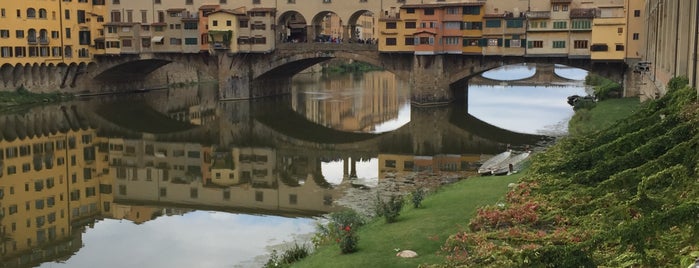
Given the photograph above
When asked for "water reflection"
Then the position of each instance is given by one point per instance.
(535, 107)
(511, 72)
(373, 102)
(202, 183)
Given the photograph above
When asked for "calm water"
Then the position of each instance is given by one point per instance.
(176, 179)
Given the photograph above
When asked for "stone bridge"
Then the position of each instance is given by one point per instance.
(544, 75)
(433, 79)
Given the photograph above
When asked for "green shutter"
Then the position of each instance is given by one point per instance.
(529, 44)
(500, 42)
(483, 42)
(507, 42)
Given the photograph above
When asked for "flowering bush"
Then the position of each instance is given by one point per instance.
(348, 240)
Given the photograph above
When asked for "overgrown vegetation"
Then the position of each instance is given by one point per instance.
(602, 115)
(288, 257)
(353, 67)
(22, 97)
(604, 88)
(626, 196)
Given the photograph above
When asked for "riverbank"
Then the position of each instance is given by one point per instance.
(474, 222)
(422, 230)
(21, 98)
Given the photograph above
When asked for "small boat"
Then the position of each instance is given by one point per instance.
(510, 165)
(488, 166)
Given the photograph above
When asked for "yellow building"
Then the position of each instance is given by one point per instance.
(609, 31)
(49, 32)
(635, 37)
(221, 25)
(472, 29)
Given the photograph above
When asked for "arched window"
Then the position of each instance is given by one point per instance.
(68, 52)
(43, 14)
(31, 13)
(31, 36)
(43, 36)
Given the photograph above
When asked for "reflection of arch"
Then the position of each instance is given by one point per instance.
(6, 74)
(291, 27)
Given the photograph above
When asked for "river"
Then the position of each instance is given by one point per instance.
(175, 178)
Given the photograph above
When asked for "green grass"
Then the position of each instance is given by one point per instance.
(423, 230)
(602, 116)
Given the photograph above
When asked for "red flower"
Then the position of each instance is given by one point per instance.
(347, 228)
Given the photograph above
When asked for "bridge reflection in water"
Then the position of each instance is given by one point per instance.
(63, 168)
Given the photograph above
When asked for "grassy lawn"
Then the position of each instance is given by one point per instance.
(603, 115)
(423, 230)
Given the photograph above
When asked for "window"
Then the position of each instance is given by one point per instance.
(472, 10)
(191, 41)
(175, 41)
(564, 7)
(515, 23)
(599, 47)
(580, 44)
(619, 47)
(410, 10)
(410, 25)
(4, 33)
(259, 196)
(193, 192)
(126, 43)
(451, 40)
(391, 25)
(492, 42)
(636, 13)
(31, 13)
(559, 44)
(115, 2)
(580, 24)
(67, 32)
(390, 41)
(516, 43)
(2, 12)
(214, 23)
(409, 41)
(635, 36)
(429, 11)
(293, 199)
(472, 25)
(67, 14)
(189, 2)
(42, 13)
(493, 24)
(555, 7)
(81, 16)
(560, 25)
(535, 44)
(620, 30)
(5, 52)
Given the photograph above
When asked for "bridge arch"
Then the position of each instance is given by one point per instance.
(294, 63)
(356, 32)
(291, 26)
(135, 70)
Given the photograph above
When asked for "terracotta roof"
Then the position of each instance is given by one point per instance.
(227, 11)
(433, 5)
(561, 1)
(176, 9)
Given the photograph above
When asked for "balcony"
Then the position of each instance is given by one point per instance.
(539, 14)
(582, 13)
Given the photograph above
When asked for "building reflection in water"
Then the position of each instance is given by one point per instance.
(350, 104)
(63, 168)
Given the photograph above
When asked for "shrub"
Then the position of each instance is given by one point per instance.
(340, 229)
(389, 209)
(348, 240)
(417, 196)
(291, 255)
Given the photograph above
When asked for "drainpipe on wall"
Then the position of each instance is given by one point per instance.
(677, 38)
(60, 24)
(696, 40)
